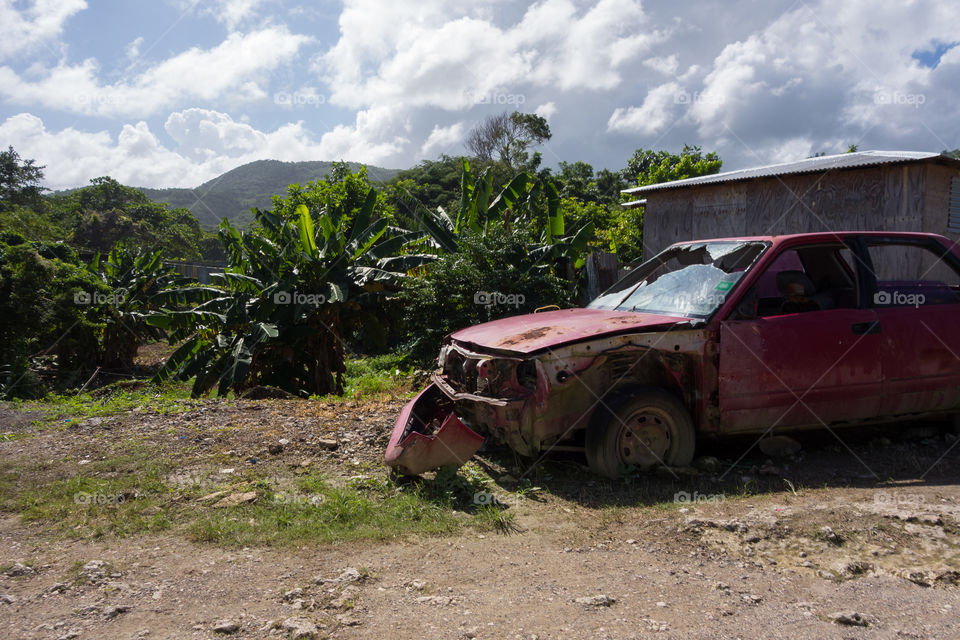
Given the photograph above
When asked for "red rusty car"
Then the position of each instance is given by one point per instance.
(754, 335)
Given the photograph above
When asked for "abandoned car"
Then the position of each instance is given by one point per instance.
(755, 335)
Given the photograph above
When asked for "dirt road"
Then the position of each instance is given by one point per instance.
(850, 539)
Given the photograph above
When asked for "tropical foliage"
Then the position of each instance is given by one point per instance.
(277, 315)
(339, 265)
(85, 316)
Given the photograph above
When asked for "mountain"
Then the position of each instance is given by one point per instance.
(232, 194)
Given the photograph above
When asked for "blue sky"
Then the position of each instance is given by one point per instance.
(175, 92)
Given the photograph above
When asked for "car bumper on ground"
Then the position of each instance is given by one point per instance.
(426, 436)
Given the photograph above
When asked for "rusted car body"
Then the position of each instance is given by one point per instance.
(737, 335)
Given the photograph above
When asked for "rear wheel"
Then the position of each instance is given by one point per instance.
(643, 429)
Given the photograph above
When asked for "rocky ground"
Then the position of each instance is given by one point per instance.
(854, 536)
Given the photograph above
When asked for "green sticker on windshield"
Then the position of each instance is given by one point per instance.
(723, 286)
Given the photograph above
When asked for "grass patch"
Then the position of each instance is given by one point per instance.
(321, 512)
(114, 497)
(376, 376)
(127, 494)
(169, 397)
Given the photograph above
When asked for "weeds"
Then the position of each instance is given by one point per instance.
(164, 398)
(494, 517)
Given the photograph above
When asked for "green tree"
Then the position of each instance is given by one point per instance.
(40, 315)
(107, 212)
(434, 183)
(19, 181)
(578, 180)
(454, 292)
(507, 137)
(527, 203)
(342, 188)
(653, 167)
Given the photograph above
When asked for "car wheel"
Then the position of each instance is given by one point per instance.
(645, 428)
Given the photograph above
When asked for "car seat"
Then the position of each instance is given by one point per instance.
(798, 291)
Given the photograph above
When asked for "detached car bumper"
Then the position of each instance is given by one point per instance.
(428, 435)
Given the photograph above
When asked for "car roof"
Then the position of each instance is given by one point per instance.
(820, 236)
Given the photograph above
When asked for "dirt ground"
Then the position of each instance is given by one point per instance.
(854, 537)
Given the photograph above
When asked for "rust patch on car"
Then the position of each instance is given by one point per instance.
(532, 334)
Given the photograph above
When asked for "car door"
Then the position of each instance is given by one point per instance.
(916, 296)
(782, 369)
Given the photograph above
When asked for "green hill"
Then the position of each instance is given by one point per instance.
(232, 194)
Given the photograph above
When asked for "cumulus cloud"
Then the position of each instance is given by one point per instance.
(232, 71)
(757, 82)
(667, 65)
(379, 133)
(442, 140)
(817, 72)
(653, 115)
(27, 27)
(202, 134)
(207, 143)
(232, 12)
(73, 157)
(445, 53)
(546, 110)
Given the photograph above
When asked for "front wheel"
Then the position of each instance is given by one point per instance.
(642, 429)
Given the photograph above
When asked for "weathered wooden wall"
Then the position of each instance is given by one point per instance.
(937, 200)
(908, 197)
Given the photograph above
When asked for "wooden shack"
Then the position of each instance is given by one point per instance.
(861, 191)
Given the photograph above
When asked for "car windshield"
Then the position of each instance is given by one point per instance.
(689, 280)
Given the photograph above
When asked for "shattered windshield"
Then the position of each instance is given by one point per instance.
(690, 280)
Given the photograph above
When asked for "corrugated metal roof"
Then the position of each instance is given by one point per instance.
(809, 165)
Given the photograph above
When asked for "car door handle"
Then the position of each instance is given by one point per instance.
(865, 328)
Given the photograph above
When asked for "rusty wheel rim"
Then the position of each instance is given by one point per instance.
(645, 438)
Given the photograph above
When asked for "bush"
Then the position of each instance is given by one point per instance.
(450, 295)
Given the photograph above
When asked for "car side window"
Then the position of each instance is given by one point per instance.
(911, 275)
(814, 278)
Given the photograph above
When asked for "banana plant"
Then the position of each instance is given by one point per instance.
(276, 315)
(133, 279)
(525, 200)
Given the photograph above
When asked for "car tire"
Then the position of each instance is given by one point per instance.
(642, 428)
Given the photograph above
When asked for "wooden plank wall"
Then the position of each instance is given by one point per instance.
(889, 197)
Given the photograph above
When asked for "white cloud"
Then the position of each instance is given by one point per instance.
(73, 157)
(833, 71)
(442, 140)
(758, 82)
(207, 143)
(445, 52)
(133, 49)
(232, 71)
(378, 134)
(202, 134)
(232, 12)
(666, 65)
(655, 113)
(229, 13)
(546, 110)
(24, 29)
